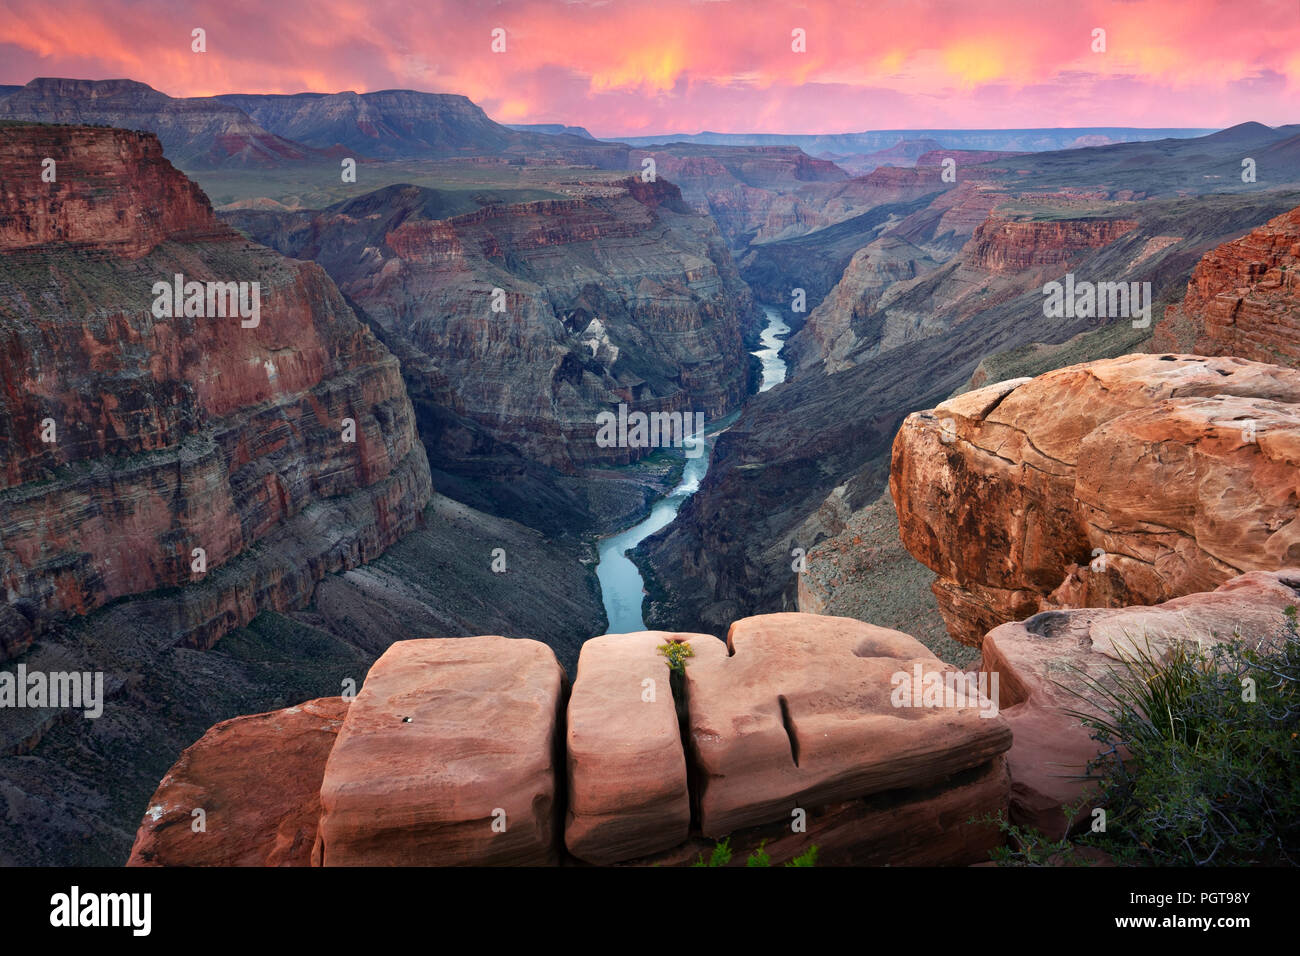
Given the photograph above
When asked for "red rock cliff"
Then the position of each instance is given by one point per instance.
(127, 441)
(1244, 298)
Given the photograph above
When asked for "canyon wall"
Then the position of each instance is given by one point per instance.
(199, 132)
(1243, 298)
(618, 296)
(131, 440)
(808, 455)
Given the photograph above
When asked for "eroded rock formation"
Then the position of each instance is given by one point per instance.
(628, 795)
(452, 752)
(131, 439)
(447, 757)
(1046, 663)
(255, 784)
(1127, 481)
(621, 297)
(1243, 298)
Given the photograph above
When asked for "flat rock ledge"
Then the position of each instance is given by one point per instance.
(474, 752)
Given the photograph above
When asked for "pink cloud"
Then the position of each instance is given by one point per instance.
(626, 67)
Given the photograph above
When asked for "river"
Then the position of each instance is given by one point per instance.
(621, 586)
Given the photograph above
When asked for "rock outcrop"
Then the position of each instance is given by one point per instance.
(246, 794)
(452, 753)
(1243, 298)
(142, 451)
(802, 709)
(1127, 481)
(1046, 663)
(447, 757)
(626, 767)
(531, 319)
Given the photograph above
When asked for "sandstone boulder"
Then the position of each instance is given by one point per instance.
(1046, 662)
(1126, 481)
(798, 710)
(626, 765)
(448, 757)
(256, 779)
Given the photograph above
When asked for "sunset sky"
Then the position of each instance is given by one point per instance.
(682, 66)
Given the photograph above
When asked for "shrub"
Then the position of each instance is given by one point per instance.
(721, 856)
(1200, 766)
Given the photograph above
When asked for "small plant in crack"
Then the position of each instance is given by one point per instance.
(677, 652)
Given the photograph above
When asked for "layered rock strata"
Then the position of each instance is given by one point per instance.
(145, 450)
(1243, 298)
(1127, 481)
(531, 319)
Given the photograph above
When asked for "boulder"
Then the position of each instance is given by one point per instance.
(801, 710)
(1126, 481)
(448, 757)
(256, 779)
(626, 765)
(1046, 663)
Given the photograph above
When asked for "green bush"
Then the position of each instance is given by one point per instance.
(1196, 772)
(721, 856)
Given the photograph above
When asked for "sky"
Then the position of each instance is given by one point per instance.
(639, 67)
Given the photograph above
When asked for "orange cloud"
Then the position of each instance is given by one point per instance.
(628, 66)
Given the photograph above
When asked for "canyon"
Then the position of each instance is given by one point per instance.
(370, 540)
(534, 317)
(882, 347)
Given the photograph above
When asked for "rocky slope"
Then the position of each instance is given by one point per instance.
(1128, 481)
(391, 124)
(875, 307)
(1052, 663)
(815, 261)
(196, 132)
(1243, 298)
(622, 296)
(750, 192)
